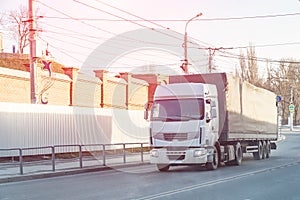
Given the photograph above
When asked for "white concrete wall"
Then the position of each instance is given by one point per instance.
(26, 125)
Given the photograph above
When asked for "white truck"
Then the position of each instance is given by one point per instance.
(209, 119)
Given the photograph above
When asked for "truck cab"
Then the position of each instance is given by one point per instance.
(184, 125)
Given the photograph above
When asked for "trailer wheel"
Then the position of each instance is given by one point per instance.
(264, 153)
(163, 167)
(268, 149)
(258, 155)
(214, 164)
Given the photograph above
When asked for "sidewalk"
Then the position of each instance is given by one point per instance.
(10, 171)
(286, 129)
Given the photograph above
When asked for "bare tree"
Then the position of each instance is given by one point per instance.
(244, 69)
(252, 66)
(19, 28)
(16, 22)
(249, 67)
(283, 79)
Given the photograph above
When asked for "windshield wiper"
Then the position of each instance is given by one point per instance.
(175, 118)
(172, 118)
(191, 117)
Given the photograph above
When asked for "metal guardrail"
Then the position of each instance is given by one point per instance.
(54, 147)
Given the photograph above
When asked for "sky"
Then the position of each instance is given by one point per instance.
(94, 34)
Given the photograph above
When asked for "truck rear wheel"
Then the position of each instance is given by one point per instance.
(238, 154)
(215, 162)
(163, 167)
(264, 153)
(268, 149)
(259, 154)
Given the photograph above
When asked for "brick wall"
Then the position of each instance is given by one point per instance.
(57, 94)
(75, 88)
(137, 92)
(85, 90)
(113, 90)
(14, 86)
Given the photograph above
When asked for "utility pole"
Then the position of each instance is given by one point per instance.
(211, 52)
(32, 46)
(291, 109)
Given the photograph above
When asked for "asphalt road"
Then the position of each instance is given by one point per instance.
(275, 178)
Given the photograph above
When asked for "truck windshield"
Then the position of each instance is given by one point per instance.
(178, 109)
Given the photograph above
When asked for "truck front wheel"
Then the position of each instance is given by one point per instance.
(215, 162)
(163, 167)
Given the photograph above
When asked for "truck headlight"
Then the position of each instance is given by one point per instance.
(154, 153)
(199, 152)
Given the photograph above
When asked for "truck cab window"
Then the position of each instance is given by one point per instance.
(178, 109)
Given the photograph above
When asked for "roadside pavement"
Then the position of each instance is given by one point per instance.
(10, 170)
(285, 129)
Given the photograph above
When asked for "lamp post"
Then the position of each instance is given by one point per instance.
(186, 62)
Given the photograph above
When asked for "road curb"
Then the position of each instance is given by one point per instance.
(282, 138)
(68, 172)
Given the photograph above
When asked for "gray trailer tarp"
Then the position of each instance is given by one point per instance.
(246, 112)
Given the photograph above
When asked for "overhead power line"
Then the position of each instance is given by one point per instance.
(109, 13)
(114, 34)
(259, 59)
(128, 20)
(181, 20)
(70, 17)
(251, 17)
(129, 13)
(245, 47)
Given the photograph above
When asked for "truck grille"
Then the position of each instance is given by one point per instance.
(175, 136)
(176, 155)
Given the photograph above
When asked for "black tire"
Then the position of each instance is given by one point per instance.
(215, 163)
(268, 149)
(238, 154)
(264, 153)
(163, 167)
(258, 155)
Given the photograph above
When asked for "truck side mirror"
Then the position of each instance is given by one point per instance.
(146, 107)
(213, 104)
(146, 115)
(213, 113)
(208, 118)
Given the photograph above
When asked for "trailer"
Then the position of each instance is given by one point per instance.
(209, 119)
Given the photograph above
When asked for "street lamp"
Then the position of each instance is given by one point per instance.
(186, 62)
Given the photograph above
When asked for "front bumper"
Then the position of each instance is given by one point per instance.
(186, 157)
